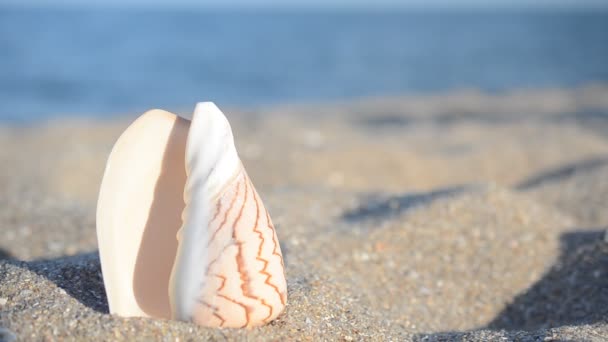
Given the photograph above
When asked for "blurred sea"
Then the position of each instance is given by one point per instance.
(102, 62)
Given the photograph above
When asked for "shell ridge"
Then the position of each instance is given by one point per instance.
(240, 263)
(258, 257)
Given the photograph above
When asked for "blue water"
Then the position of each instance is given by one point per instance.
(104, 62)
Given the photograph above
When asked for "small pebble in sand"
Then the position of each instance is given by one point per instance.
(313, 139)
(335, 179)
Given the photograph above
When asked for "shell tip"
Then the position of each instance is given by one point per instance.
(206, 106)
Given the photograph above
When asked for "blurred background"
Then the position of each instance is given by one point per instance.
(87, 58)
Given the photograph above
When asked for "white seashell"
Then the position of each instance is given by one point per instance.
(139, 212)
(227, 269)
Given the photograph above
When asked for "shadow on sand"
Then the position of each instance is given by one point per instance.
(5, 255)
(574, 291)
(381, 207)
(79, 275)
(563, 172)
(595, 119)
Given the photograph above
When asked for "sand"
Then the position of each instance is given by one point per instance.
(457, 216)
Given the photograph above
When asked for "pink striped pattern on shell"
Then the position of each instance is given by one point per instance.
(244, 282)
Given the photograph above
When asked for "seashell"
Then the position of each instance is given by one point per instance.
(139, 212)
(211, 255)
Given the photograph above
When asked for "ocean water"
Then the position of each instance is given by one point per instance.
(107, 61)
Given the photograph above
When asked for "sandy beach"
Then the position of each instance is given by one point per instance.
(464, 215)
